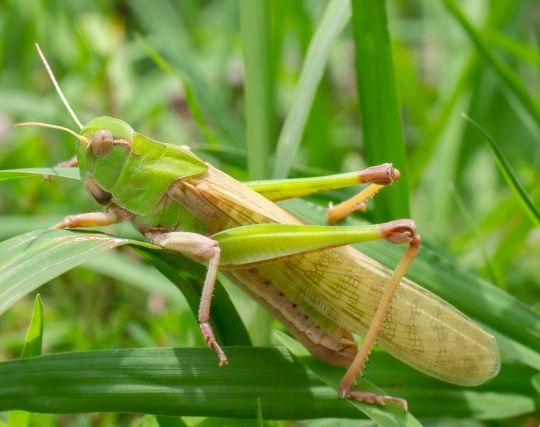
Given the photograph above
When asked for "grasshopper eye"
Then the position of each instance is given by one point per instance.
(101, 142)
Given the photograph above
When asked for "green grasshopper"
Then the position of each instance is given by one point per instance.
(305, 275)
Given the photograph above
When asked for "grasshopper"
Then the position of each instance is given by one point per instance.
(322, 290)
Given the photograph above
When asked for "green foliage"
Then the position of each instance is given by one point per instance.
(379, 107)
(174, 71)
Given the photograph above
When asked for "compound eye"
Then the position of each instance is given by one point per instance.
(102, 142)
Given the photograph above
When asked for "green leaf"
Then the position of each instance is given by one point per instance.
(505, 72)
(170, 421)
(336, 16)
(170, 38)
(32, 259)
(71, 173)
(508, 174)
(260, 419)
(255, 27)
(34, 334)
(167, 382)
(478, 237)
(187, 382)
(379, 105)
(125, 269)
(535, 381)
(32, 347)
(513, 350)
(189, 90)
(518, 48)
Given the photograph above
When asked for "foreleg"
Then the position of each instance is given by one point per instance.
(203, 249)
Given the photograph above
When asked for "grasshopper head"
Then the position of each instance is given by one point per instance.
(106, 126)
(102, 157)
(103, 134)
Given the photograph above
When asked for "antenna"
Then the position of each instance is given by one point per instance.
(57, 86)
(47, 125)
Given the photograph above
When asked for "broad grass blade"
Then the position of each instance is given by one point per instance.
(187, 382)
(505, 72)
(255, 27)
(379, 104)
(508, 174)
(71, 173)
(336, 16)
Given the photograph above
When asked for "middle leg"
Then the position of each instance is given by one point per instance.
(378, 176)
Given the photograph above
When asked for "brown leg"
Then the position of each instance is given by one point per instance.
(93, 219)
(378, 177)
(71, 163)
(204, 307)
(396, 235)
(200, 248)
(355, 203)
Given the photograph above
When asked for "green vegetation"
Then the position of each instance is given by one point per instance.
(260, 89)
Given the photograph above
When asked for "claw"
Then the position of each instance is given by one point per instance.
(208, 336)
(376, 399)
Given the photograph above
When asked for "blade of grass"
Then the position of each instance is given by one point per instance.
(170, 38)
(507, 75)
(255, 33)
(508, 174)
(517, 351)
(435, 211)
(30, 260)
(494, 274)
(71, 173)
(189, 90)
(125, 269)
(170, 421)
(335, 17)
(187, 382)
(169, 382)
(518, 48)
(32, 347)
(254, 23)
(468, 76)
(380, 110)
(34, 335)
(447, 107)
(260, 419)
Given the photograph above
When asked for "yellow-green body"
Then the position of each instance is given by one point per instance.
(321, 295)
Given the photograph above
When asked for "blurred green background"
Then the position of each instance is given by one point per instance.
(99, 52)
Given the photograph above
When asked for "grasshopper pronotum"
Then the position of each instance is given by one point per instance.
(322, 290)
